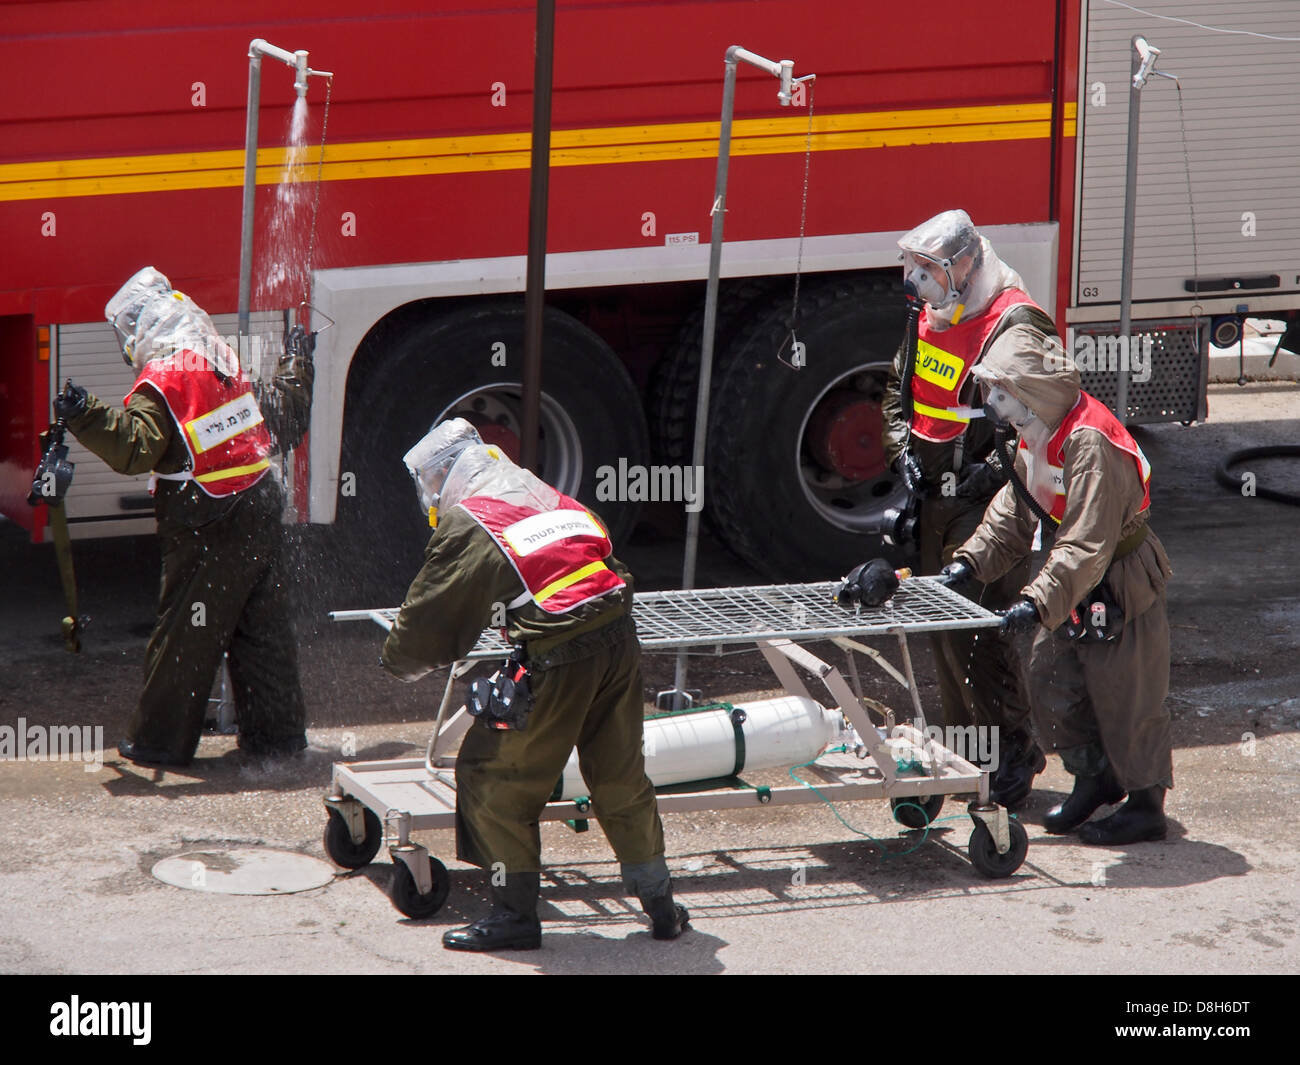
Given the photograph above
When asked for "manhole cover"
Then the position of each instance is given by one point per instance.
(244, 871)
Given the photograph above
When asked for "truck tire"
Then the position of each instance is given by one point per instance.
(796, 480)
(674, 386)
(443, 367)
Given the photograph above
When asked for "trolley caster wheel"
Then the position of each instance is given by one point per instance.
(407, 898)
(984, 852)
(907, 814)
(338, 841)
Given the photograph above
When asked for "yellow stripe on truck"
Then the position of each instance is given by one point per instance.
(118, 175)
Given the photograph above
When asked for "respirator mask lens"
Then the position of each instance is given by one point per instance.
(126, 339)
(930, 278)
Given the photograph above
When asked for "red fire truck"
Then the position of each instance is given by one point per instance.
(122, 135)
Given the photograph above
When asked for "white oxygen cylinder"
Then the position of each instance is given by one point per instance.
(701, 745)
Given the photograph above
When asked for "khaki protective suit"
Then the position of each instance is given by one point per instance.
(224, 585)
(1092, 702)
(980, 677)
(586, 687)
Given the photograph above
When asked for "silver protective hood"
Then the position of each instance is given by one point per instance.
(955, 269)
(430, 461)
(153, 320)
(485, 470)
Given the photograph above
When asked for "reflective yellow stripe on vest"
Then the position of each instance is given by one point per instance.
(942, 413)
(568, 579)
(234, 471)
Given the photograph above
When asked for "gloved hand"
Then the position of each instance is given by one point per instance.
(70, 402)
(958, 571)
(869, 584)
(299, 343)
(909, 469)
(1021, 616)
(981, 481)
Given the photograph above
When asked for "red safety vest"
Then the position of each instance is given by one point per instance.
(943, 361)
(1090, 413)
(220, 423)
(559, 554)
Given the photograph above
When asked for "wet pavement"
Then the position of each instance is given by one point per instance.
(788, 889)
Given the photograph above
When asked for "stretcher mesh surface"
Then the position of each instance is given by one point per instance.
(706, 617)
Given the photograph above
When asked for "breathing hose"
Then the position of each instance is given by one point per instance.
(1009, 463)
(1275, 451)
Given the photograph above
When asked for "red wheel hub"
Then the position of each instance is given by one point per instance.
(499, 436)
(844, 435)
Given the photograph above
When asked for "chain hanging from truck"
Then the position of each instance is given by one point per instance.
(797, 360)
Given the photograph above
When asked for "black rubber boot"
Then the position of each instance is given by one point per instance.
(1140, 819)
(1014, 777)
(512, 924)
(147, 756)
(1090, 794)
(667, 918)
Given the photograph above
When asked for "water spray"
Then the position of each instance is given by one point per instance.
(298, 61)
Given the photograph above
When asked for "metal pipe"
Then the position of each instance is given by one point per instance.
(539, 186)
(706, 340)
(785, 71)
(250, 190)
(1141, 68)
(257, 47)
(1140, 58)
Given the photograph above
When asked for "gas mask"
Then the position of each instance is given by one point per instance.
(1003, 409)
(932, 279)
(430, 461)
(145, 289)
(939, 256)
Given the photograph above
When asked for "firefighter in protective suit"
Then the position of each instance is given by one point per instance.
(206, 432)
(507, 545)
(1099, 668)
(942, 451)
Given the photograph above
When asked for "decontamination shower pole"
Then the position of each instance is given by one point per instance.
(298, 60)
(783, 69)
(1142, 67)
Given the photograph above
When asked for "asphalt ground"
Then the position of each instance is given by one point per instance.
(790, 889)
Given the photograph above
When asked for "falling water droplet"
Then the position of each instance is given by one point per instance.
(282, 278)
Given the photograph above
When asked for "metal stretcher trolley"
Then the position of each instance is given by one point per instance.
(372, 803)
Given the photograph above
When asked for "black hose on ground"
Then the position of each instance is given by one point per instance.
(1275, 451)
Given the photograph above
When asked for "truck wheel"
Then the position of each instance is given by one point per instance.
(450, 365)
(675, 384)
(796, 479)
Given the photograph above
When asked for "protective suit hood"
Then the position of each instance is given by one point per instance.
(153, 320)
(484, 470)
(973, 277)
(431, 460)
(1035, 369)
